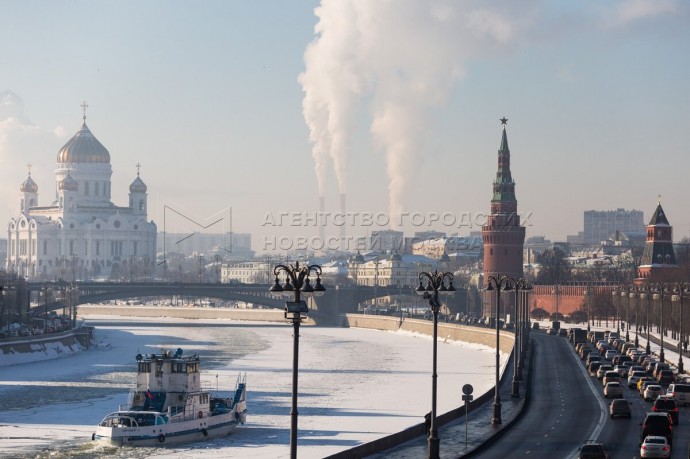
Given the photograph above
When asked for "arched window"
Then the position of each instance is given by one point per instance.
(141, 204)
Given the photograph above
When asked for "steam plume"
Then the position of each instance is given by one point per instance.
(404, 56)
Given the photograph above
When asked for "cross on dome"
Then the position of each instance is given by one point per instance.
(29, 167)
(84, 106)
(138, 167)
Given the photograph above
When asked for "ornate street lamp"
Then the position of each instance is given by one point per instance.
(587, 293)
(435, 284)
(497, 283)
(646, 294)
(626, 294)
(519, 286)
(615, 299)
(634, 294)
(659, 295)
(679, 291)
(296, 284)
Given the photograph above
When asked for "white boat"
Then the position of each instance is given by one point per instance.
(169, 405)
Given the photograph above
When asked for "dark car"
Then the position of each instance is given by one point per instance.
(621, 408)
(666, 405)
(665, 377)
(592, 450)
(659, 424)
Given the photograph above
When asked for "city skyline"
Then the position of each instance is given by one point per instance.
(593, 94)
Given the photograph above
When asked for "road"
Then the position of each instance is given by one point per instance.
(563, 412)
(568, 408)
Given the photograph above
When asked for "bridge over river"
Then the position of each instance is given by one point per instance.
(338, 299)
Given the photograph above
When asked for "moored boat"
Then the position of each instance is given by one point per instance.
(170, 406)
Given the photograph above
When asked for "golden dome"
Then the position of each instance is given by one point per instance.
(68, 184)
(29, 186)
(83, 147)
(138, 186)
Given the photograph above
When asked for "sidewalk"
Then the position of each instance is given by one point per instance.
(479, 427)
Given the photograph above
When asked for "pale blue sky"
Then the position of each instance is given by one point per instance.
(205, 95)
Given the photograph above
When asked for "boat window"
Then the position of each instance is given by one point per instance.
(144, 367)
(192, 367)
(179, 368)
(159, 367)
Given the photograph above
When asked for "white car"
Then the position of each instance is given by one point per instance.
(610, 354)
(635, 377)
(652, 392)
(654, 446)
(613, 389)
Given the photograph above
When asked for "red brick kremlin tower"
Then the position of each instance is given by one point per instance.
(658, 263)
(503, 235)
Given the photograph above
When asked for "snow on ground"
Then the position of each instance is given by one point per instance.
(355, 385)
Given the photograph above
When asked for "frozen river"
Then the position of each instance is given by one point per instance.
(355, 385)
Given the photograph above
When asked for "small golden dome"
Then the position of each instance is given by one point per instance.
(68, 184)
(29, 186)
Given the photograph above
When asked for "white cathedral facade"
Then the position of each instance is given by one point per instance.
(81, 234)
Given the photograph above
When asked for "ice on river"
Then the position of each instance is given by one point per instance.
(355, 385)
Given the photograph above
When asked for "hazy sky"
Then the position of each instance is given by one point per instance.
(402, 107)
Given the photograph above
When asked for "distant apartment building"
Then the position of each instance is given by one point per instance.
(601, 225)
(232, 246)
(395, 270)
(247, 272)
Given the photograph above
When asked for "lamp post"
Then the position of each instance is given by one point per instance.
(436, 283)
(633, 294)
(615, 298)
(659, 295)
(519, 286)
(588, 306)
(497, 283)
(297, 284)
(645, 293)
(45, 290)
(625, 294)
(73, 298)
(679, 291)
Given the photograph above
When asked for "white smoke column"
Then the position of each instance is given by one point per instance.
(333, 83)
(321, 220)
(343, 244)
(404, 54)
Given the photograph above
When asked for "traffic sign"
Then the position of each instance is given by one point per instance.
(467, 389)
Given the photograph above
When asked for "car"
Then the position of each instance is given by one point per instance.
(592, 358)
(644, 379)
(592, 450)
(659, 424)
(603, 368)
(658, 368)
(610, 354)
(613, 389)
(668, 405)
(679, 392)
(594, 367)
(620, 407)
(610, 376)
(665, 377)
(563, 332)
(652, 392)
(551, 331)
(622, 370)
(655, 446)
(584, 352)
(634, 377)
